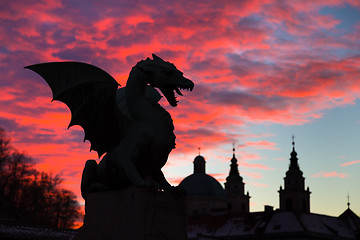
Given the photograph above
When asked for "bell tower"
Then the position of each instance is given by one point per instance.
(294, 197)
(235, 188)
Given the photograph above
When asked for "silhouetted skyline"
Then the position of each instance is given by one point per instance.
(263, 71)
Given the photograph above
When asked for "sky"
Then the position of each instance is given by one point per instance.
(263, 71)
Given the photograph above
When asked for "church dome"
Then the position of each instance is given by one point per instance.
(199, 159)
(201, 184)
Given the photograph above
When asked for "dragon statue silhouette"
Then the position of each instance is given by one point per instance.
(126, 124)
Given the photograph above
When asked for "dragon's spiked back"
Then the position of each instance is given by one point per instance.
(89, 92)
(165, 76)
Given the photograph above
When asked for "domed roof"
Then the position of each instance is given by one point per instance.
(201, 184)
(199, 158)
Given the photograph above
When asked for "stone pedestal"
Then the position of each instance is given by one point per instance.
(133, 213)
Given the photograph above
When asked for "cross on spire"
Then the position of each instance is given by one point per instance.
(348, 202)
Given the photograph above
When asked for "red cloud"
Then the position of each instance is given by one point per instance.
(253, 62)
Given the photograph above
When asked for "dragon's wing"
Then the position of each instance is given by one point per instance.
(90, 94)
(121, 103)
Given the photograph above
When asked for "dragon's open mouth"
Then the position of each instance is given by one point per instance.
(170, 90)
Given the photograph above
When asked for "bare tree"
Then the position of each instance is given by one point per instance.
(4, 148)
(35, 197)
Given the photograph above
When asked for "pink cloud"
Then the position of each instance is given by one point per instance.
(350, 163)
(246, 156)
(220, 177)
(263, 145)
(252, 174)
(175, 181)
(330, 174)
(255, 165)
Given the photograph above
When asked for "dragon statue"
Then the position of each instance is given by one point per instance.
(126, 124)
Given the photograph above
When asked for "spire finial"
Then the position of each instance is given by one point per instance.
(199, 150)
(348, 202)
(234, 148)
(293, 140)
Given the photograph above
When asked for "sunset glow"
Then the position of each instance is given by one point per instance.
(263, 70)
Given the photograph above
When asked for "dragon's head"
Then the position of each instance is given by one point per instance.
(166, 77)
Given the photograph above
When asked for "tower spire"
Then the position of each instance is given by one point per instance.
(234, 187)
(234, 171)
(293, 196)
(348, 202)
(293, 159)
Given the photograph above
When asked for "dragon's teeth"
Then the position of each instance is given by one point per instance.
(178, 91)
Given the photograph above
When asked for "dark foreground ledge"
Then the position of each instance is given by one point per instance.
(133, 213)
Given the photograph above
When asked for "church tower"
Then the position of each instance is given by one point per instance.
(234, 188)
(294, 197)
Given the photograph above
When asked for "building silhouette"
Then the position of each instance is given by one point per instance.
(215, 215)
(238, 201)
(294, 197)
(205, 195)
(221, 213)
